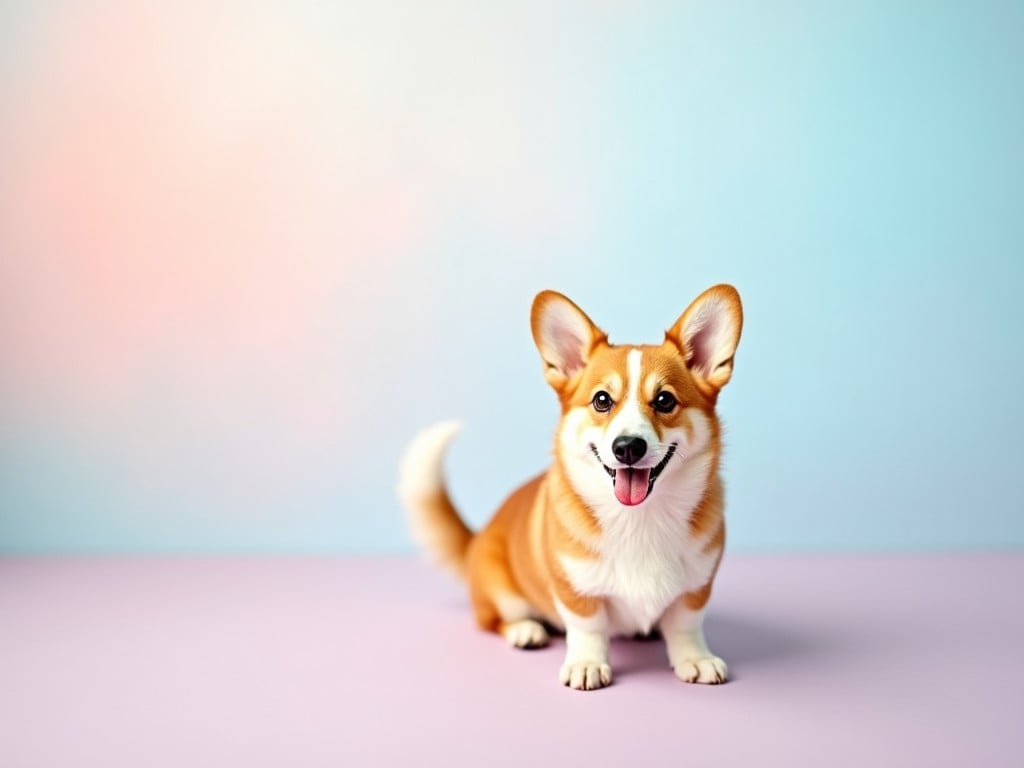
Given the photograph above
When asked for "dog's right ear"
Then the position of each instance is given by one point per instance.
(564, 335)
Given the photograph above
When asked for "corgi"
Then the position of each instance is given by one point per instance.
(623, 533)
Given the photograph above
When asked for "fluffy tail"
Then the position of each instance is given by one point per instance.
(433, 519)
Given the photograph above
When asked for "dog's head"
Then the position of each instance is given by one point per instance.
(633, 417)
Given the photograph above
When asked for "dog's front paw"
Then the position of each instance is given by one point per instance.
(585, 675)
(706, 669)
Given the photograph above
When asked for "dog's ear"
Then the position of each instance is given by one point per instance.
(564, 335)
(707, 334)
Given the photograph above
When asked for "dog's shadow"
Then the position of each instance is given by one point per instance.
(744, 643)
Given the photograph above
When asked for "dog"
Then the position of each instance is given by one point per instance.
(624, 532)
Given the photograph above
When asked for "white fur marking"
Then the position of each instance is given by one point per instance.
(688, 652)
(647, 556)
(630, 420)
(421, 476)
(421, 470)
(586, 664)
(525, 633)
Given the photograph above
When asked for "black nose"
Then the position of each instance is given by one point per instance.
(629, 450)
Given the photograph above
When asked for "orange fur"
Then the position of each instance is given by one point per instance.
(518, 559)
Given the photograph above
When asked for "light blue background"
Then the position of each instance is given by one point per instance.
(855, 169)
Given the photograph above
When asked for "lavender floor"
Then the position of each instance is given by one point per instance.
(836, 661)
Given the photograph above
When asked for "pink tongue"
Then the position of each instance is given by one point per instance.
(631, 485)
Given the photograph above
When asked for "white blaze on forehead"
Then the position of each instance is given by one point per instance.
(630, 419)
(633, 360)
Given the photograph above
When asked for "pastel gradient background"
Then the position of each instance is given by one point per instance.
(248, 249)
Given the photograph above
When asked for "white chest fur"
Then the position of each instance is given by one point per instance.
(647, 557)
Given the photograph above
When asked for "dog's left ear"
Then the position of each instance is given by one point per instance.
(564, 336)
(707, 334)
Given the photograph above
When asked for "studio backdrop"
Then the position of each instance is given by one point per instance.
(247, 250)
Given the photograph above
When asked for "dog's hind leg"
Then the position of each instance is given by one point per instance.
(517, 623)
(498, 602)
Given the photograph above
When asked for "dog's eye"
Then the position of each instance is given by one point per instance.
(664, 402)
(602, 402)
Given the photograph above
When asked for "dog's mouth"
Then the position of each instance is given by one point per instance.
(634, 484)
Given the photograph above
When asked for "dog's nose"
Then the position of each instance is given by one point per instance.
(629, 450)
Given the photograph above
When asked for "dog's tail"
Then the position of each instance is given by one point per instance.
(433, 519)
